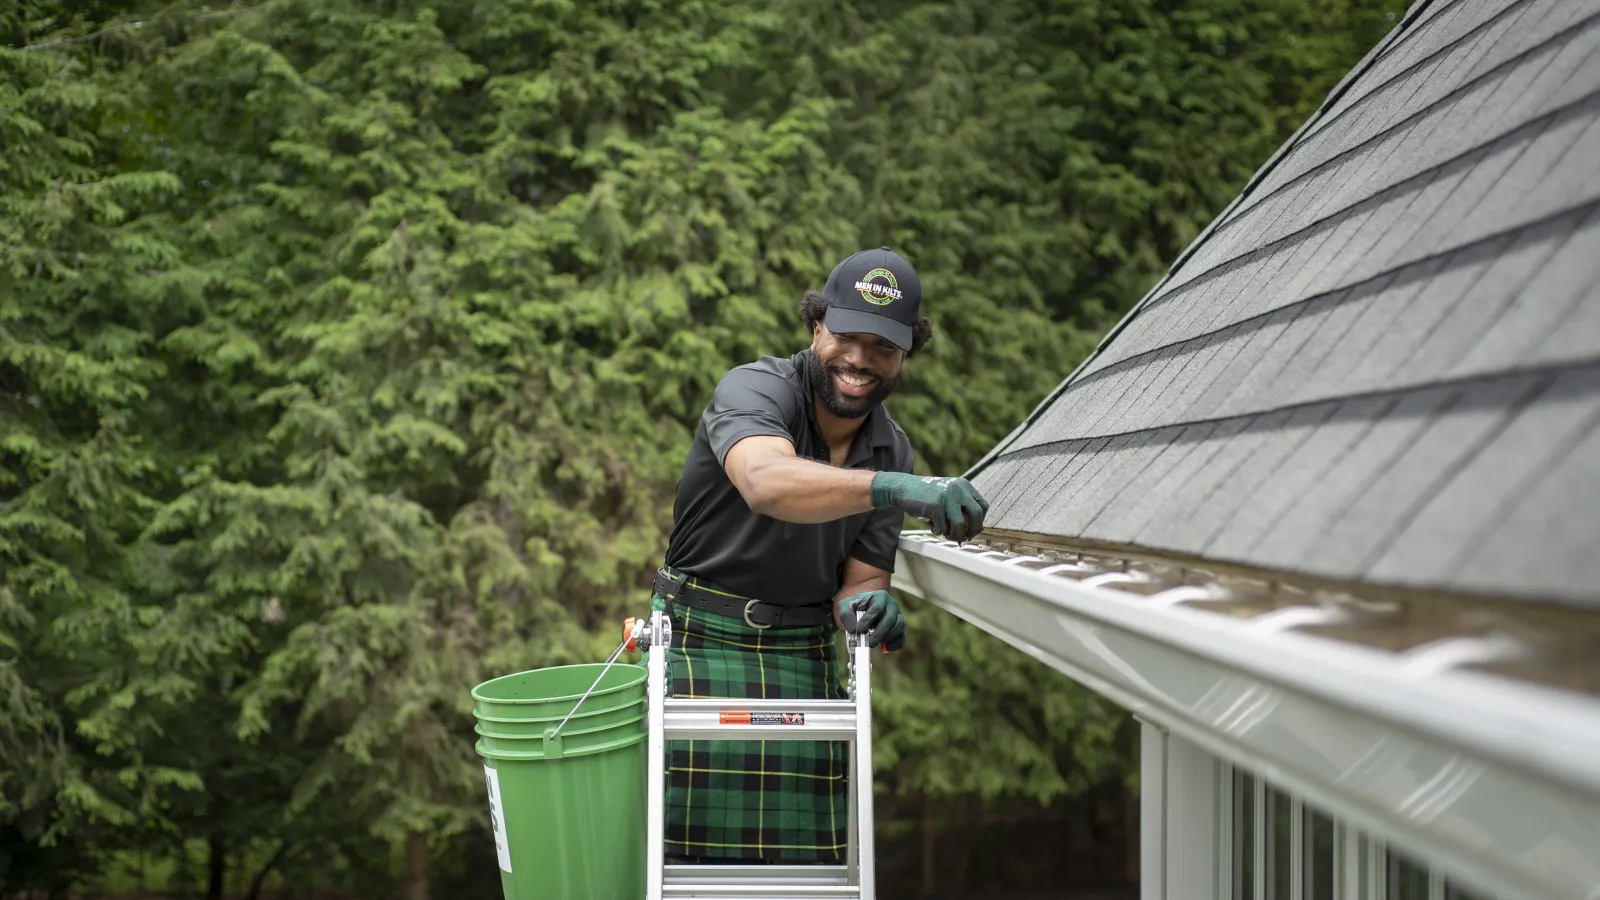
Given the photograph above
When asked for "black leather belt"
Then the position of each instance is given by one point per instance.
(756, 613)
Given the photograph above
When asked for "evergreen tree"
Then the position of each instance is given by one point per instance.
(349, 354)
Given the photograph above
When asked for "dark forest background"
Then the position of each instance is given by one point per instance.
(350, 349)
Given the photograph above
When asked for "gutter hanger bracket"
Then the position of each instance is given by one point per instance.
(1454, 653)
(1292, 617)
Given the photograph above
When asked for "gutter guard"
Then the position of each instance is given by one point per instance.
(1496, 783)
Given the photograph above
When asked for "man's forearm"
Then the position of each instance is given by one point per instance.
(806, 492)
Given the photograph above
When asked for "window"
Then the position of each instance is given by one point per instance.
(1279, 839)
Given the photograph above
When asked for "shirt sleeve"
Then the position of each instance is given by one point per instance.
(880, 537)
(747, 403)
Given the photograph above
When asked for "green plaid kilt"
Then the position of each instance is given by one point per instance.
(754, 800)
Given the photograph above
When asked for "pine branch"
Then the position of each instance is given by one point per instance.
(134, 26)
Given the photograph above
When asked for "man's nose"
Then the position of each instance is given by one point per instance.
(857, 354)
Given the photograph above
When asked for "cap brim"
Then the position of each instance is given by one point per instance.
(854, 321)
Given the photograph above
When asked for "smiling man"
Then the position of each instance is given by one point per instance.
(785, 526)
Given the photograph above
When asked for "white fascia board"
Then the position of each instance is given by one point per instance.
(1494, 782)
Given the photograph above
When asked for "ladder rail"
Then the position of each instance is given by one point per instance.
(861, 768)
(655, 829)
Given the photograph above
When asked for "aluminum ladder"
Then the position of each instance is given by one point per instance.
(737, 719)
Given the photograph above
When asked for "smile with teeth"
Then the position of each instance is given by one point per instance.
(853, 384)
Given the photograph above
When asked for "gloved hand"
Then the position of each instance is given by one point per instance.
(952, 506)
(875, 614)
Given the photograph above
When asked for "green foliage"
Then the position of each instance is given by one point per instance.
(349, 354)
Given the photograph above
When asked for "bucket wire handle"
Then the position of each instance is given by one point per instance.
(637, 627)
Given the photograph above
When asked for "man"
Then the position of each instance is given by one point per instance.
(786, 522)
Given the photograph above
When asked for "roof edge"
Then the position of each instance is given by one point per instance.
(1556, 642)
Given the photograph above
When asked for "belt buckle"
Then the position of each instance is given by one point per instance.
(747, 621)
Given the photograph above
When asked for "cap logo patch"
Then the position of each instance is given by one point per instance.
(879, 287)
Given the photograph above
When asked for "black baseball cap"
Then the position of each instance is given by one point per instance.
(874, 292)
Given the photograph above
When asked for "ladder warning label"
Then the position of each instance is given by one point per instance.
(744, 718)
(502, 848)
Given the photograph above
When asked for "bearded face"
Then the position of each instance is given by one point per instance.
(852, 373)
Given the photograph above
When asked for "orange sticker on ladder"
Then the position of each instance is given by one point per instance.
(744, 718)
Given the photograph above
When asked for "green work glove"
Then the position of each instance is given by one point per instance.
(876, 615)
(952, 506)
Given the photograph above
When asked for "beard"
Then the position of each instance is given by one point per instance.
(844, 407)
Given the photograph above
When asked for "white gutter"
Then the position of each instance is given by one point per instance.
(1494, 782)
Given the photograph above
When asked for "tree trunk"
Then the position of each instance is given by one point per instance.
(216, 866)
(416, 878)
(260, 880)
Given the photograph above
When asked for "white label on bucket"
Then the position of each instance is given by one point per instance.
(502, 848)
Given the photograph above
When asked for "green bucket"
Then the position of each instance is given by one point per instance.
(568, 813)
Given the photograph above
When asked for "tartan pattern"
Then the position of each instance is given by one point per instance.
(754, 800)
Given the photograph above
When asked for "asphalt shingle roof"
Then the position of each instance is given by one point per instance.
(1382, 362)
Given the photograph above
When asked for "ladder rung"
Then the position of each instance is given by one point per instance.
(679, 873)
(730, 719)
(763, 892)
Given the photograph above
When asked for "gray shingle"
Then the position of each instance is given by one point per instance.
(1508, 105)
(1384, 340)
(1577, 166)
(1298, 256)
(1018, 479)
(992, 480)
(1174, 527)
(1579, 334)
(1569, 77)
(1280, 340)
(1285, 208)
(1280, 434)
(1242, 350)
(1430, 546)
(1201, 367)
(1365, 527)
(1171, 501)
(1489, 50)
(1544, 20)
(1494, 213)
(1306, 462)
(1191, 449)
(1062, 505)
(1478, 309)
(1378, 312)
(1485, 173)
(1516, 338)
(1175, 445)
(1065, 458)
(1347, 268)
(1135, 456)
(1419, 214)
(1583, 80)
(1133, 411)
(1255, 294)
(1544, 546)
(1298, 541)
(1326, 322)
(1303, 282)
(1204, 303)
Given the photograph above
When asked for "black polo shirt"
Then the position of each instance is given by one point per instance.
(715, 536)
